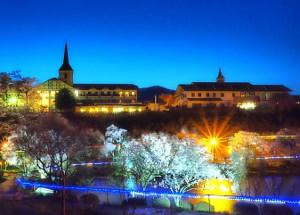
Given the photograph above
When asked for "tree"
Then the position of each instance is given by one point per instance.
(168, 99)
(65, 100)
(164, 160)
(14, 87)
(114, 137)
(53, 144)
(5, 85)
(248, 143)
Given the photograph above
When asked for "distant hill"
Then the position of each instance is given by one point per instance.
(147, 94)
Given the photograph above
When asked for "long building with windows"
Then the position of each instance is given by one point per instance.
(242, 94)
(90, 98)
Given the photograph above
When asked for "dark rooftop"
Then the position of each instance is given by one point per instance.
(105, 86)
(231, 86)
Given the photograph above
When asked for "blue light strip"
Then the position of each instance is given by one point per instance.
(151, 193)
(92, 164)
(279, 157)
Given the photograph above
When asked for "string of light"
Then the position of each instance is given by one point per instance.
(279, 157)
(158, 193)
(92, 164)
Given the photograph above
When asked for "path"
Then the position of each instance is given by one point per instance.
(8, 189)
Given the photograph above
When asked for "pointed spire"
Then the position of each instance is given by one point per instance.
(66, 65)
(220, 78)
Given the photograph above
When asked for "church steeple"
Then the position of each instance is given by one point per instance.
(220, 78)
(66, 71)
(66, 65)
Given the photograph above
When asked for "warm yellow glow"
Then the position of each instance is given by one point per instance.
(247, 105)
(45, 101)
(5, 146)
(104, 109)
(12, 101)
(109, 109)
(133, 93)
(76, 92)
(213, 141)
(92, 110)
(118, 109)
(132, 110)
(215, 187)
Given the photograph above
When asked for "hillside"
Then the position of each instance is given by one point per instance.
(147, 94)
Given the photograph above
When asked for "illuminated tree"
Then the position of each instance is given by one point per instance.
(164, 160)
(53, 144)
(9, 121)
(14, 88)
(114, 137)
(248, 143)
(168, 99)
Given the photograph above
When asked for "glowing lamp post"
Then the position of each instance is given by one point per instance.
(213, 142)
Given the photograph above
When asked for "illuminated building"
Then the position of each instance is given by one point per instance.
(242, 94)
(90, 98)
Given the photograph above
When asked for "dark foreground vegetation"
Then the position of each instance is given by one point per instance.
(51, 206)
(262, 120)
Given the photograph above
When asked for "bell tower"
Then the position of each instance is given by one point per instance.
(66, 71)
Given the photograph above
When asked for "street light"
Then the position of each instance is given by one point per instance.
(213, 142)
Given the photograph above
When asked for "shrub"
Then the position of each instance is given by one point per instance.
(134, 202)
(277, 210)
(90, 199)
(71, 198)
(204, 207)
(185, 205)
(162, 202)
(245, 209)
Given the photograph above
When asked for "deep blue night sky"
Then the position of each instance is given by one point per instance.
(154, 42)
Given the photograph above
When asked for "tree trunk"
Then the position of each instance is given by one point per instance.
(64, 196)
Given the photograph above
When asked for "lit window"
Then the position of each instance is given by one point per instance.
(104, 109)
(76, 92)
(118, 109)
(133, 93)
(247, 105)
(132, 110)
